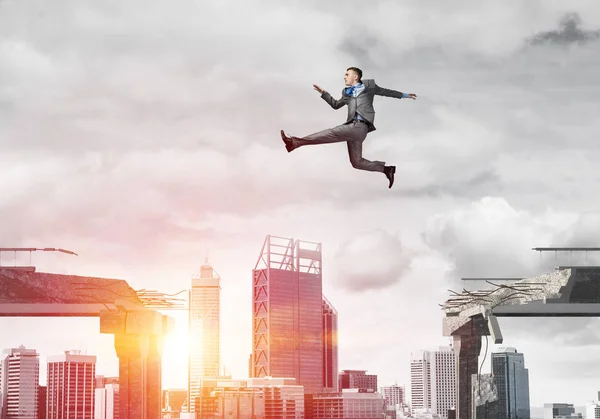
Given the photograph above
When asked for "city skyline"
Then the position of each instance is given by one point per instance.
(206, 272)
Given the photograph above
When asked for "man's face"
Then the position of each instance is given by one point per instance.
(350, 77)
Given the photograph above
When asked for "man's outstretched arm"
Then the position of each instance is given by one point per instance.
(335, 104)
(393, 93)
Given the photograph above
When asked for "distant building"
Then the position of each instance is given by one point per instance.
(592, 409)
(174, 402)
(512, 381)
(102, 381)
(349, 404)
(106, 403)
(204, 330)
(19, 383)
(555, 410)
(232, 399)
(394, 395)
(433, 381)
(330, 347)
(284, 398)
(253, 398)
(357, 379)
(42, 390)
(71, 386)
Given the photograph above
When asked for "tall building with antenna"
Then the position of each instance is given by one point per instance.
(204, 330)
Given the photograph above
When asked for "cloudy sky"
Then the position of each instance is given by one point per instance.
(145, 136)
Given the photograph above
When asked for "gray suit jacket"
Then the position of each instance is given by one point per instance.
(363, 103)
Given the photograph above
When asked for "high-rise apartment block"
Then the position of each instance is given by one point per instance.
(433, 381)
(19, 383)
(71, 386)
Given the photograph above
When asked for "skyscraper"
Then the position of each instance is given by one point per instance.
(287, 305)
(433, 381)
(330, 348)
(512, 381)
(19, 382)
(420, 389)
(71, 385)
(204, 330)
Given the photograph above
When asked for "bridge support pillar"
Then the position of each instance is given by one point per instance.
(466, 333)
(138, 338)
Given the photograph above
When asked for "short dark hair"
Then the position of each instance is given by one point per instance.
(357, 71)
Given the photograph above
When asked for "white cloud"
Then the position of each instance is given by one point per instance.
(371, 260)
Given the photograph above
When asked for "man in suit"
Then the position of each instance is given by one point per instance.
(358, 95)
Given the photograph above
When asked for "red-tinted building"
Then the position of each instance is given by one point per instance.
(357, 379)
(42, 402)
(71, 385)
(288, 313)
(330, 348)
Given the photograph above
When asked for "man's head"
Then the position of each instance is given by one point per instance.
(353, 76)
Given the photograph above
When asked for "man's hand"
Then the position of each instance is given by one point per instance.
(412, 96)
(318, 89)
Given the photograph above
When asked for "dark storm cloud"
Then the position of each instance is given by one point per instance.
(569, 33)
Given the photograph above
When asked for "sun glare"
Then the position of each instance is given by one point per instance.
(175, 353)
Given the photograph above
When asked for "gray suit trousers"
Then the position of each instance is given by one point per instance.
(353, 134)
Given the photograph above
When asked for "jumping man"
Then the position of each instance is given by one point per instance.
(358, 95)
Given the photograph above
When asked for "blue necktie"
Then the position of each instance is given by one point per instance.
(350, 90)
